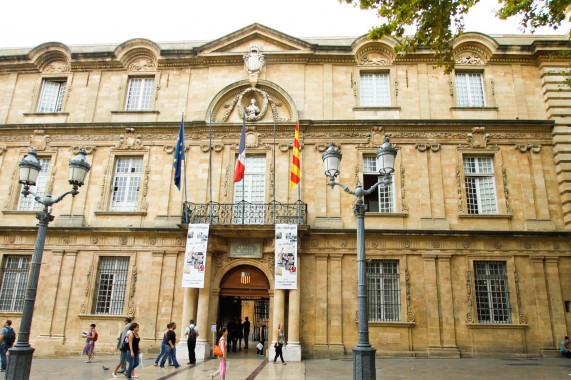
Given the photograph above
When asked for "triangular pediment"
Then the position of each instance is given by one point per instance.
(267, 40)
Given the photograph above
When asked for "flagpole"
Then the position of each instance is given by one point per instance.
(210, 164)
(183, 147)
(299, 192)
(244, 178)
(274, 154)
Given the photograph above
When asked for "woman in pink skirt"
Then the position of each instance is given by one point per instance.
(90, 344)
(222, 344)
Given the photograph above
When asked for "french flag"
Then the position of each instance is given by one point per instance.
(241, 163)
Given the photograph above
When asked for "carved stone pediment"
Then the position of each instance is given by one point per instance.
(469, 58)
(374, 59)
(56, 67)
(39, 140)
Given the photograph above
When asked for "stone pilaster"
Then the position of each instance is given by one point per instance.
(335, 304)
(449, 347)
(544, 331)
(555, 299)
(188, 313)
(321, 348)
(277, 319)
(202, 345)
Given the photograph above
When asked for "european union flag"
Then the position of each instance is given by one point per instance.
(179, 154)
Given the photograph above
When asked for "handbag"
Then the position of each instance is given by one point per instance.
(124, 347)
(218, 351)
(260, 346)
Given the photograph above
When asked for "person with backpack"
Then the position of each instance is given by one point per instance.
(89, 348)
(7, 337)
(191, 333)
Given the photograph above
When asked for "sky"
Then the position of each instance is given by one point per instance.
(75, 22)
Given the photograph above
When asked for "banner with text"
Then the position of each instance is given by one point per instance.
(286, 256)
(195, 256)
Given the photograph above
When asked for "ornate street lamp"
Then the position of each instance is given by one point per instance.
(363, 353)
(20, 361)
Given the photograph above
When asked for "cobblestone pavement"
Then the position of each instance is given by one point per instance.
(247, 365)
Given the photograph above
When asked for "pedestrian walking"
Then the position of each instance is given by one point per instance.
(123, 359)
(239, 333)
(280, 343)
(89, 348)
(246, 328)
(164, 347)
(222, 344)
(171, 348)
(133, 351)
(191, 332)
(7, 338)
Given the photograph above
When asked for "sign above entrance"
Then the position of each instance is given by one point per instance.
(246, 249)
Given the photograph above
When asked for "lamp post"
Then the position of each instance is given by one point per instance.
(20, 361)
(363, 353)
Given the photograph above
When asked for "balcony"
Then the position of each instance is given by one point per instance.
(245, 213)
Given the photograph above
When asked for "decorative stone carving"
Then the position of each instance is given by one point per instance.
(94, 240)
(409, 313)
(123, 240)
(469, 59)
(406, 243)
(2, 149)
(169, 149)
(102, 186)
(153, 241)
(374, 59)
(254, 60)
(142, 64)
(478, 138)
(506, 189)
(56, 67)
(425, 147)
(469, 300)
(525, 147)
(39, 140)
(459, 188)
(12, 239)
(88, 149)
(466, 244)
(129, 141)
(435, 244)
(404, 205)
(522, 317)
(131, 311)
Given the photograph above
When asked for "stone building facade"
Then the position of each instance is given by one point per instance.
(469, 249)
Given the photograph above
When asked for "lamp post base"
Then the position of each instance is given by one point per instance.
(364, 363)
(19, 363)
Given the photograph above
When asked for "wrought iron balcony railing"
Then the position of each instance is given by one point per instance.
(245, 213)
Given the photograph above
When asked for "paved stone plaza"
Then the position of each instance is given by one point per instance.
(248, 366)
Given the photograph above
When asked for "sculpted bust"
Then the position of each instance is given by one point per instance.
(252, 110)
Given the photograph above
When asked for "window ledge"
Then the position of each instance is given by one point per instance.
(21, 212)
(392, 324)
(13, 314)
(486, 216)
(135, 112)
(104, 316)
(474, 108)
(387, 214)
(376, 108)
(120, 213)
(45, 113)
(496, 325)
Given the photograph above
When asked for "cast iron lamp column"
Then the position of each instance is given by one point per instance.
(20, 361)
(363, 353)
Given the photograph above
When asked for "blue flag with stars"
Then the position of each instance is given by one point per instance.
(179, 154)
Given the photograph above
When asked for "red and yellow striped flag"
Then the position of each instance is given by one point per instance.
(295, 165)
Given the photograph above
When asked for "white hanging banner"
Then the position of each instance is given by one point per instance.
(195, 256)
(286, 256)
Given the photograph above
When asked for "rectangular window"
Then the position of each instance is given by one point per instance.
(492, 296)
(375, 90)
(251, 189)
(51, 97)
(470, 90)
(383, 287)
(383, 198)
(126, 183)
(480, 185)
(111, 285)
(28, 203)
(139, 94)
(14, 281)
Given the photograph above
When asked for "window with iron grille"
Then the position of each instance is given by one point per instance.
(480, 185)
(383, 287)
(383, 198)
(28, 203)
(492, 295)
(126, 184)
(52, 95)
(470, 90)
(139, 94)
(14, 281)
(111, 285)
(375, 91)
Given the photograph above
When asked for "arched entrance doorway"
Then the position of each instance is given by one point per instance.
(244, 292)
